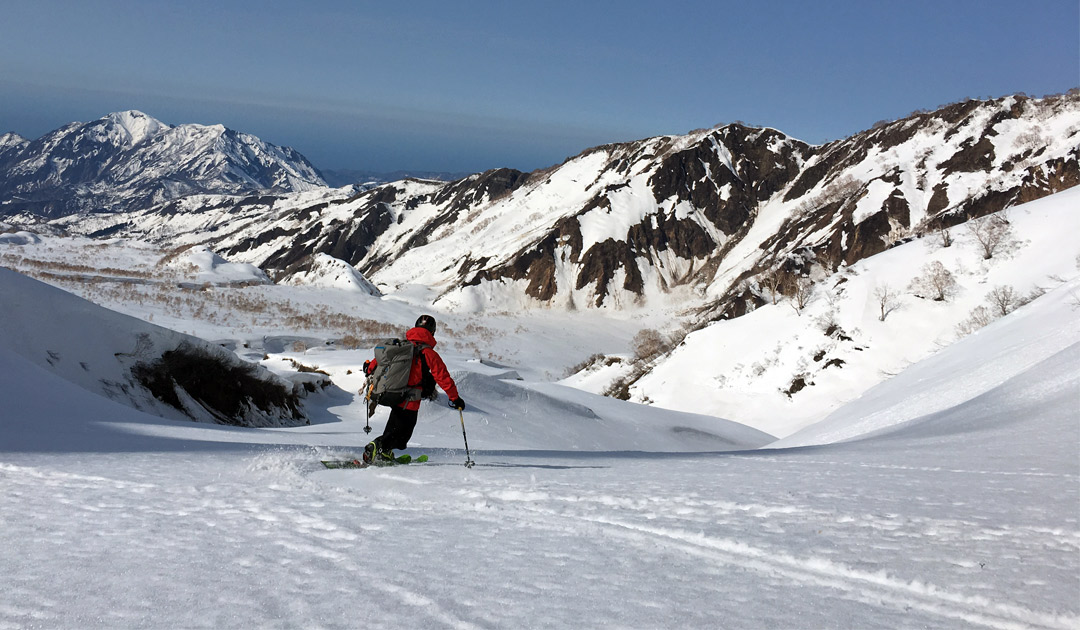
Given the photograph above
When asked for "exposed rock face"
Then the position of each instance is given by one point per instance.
(683, 219)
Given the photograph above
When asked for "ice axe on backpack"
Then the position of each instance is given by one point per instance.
(367, 400)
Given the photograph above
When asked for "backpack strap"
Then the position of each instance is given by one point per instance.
(427, 381)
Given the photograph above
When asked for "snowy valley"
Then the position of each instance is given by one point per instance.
(843, 391)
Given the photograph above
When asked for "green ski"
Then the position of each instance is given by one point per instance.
(358, 463)
(343, 463)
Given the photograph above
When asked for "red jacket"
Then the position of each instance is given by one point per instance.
(434, 362)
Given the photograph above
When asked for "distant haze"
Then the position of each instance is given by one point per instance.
(338, 178)
(465, 87)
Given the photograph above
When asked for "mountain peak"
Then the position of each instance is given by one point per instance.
(136, 125)
(12, 139)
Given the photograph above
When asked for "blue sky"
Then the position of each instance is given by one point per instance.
(465, 86)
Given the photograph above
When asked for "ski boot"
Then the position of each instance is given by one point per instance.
(370, 453)
(375, 455)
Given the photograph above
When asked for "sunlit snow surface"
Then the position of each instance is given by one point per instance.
(966, 518)
(944, 496)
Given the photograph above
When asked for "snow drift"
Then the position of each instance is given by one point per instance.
(1024, 365)
(129, 361)
(210, 267)
(323, 270)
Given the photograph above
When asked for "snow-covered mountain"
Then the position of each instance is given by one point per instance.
(694, 220)
(700, 229)
(208, 267)
(129, 160)
(777, 367)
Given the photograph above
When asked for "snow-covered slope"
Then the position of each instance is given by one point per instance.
(19, 238)
(781, 367)
(129, 160)
(507, 413)
(209, 267)
(324, 270)
(1023, 366)
(101, 351)
(133, 362)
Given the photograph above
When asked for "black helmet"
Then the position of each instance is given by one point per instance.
(427, 322)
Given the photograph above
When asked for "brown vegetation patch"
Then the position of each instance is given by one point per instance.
(226, 388)
(307, 369)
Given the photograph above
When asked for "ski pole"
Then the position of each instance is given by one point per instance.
(468, 459)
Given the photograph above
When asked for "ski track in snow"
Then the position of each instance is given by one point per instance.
(869, 587)
(279, 542)
(158, 527)
(861, 586)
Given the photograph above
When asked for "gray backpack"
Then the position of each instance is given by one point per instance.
(390, 381)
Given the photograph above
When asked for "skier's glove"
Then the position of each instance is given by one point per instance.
(457, 403)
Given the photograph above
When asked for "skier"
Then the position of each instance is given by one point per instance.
(427, 369)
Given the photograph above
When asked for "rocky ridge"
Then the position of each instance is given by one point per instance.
(695, 220)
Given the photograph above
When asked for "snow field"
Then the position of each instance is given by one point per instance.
(114, 519)
(534, 541)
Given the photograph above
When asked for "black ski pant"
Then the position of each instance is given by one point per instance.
(399, 429)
